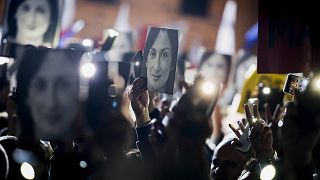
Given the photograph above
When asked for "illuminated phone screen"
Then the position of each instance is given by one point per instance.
(295, 83)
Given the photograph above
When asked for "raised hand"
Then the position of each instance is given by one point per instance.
(243, 142)
(261, 140)
(152, 104)
(254, 118)
(139, 98)
(272, 122)
(260, 135)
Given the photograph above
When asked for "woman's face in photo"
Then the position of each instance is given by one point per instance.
(53, 94)
(33, 17)
(159, 62)
(214, 68)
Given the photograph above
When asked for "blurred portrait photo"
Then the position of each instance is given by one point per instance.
(34, 22)
(160, 58)
(215, 67)
(48, 90)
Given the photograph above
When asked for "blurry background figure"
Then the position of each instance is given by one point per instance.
(159, 59)
(33, 22)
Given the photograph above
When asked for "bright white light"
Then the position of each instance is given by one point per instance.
(254, 119)
(137, 63)
(27, 171)
(88, 70)
(266, 90)
(87, 43)
(83, 164)
(317, 83)
(4, 60)
(208, 87)
(113, 33)
(268, 172)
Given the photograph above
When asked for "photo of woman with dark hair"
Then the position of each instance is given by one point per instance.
(32, 22)
(48, 90)
(160, 57)
(215, 67)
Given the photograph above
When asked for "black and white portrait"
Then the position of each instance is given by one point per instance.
(215, 67)
(33, 22)
(160, 58)
(48, 91)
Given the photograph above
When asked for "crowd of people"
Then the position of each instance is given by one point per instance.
(169, 139)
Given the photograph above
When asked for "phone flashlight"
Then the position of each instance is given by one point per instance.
(315, 84)
(251, 102)
(87, 67)
(207, 93)
(208, 88)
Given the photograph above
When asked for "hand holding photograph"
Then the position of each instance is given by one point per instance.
(160, 58)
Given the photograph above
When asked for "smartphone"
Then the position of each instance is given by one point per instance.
(137, 61)
(295, 83)
(206, 93)
(251, 102)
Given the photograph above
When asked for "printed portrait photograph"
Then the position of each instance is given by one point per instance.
(32, 22)
(215, 67)
(48, 91)
(160, 58)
